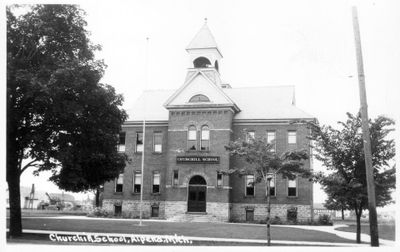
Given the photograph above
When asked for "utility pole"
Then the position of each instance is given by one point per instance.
(373, 220)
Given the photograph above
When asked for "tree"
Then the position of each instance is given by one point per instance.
(266, 164)
(341, 151)
(336, 203)
(59, 117)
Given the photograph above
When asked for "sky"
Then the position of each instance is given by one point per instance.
(308, 44)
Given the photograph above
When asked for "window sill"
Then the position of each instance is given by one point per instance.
(198, 151)
(249, 196)
(156, 153)
(118, 193)
(291, 197)
(156, 194)
(136, 193)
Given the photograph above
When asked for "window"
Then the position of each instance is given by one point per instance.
(250, 135)
(137, 182)
(292, 139)
(249, 185)
(219, 179)
(292, 188)
(192, 138)
(175, 178)
(117, 210)
(249, 214)
(156, 182)
(157, 142)
(205, 138)
(272, 191)
(139, 142)
(199, 98)
(121, 142)
(119, 183)
(271, 139)
(154, 211)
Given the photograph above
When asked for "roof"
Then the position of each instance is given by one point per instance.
(269, 102)
(150, 106)
(203, 39)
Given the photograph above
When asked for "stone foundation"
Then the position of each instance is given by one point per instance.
(131, 208)
(177, 210)
(224, 212)
(238, 211)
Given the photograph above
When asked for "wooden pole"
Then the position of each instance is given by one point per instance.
(373, 221)
(268, 211)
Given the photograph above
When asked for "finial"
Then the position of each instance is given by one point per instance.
(205, 20)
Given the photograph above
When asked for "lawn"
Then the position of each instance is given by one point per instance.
(386, 231)
(216, 230)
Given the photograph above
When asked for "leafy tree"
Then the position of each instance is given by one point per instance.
(59, 117)
(336, 203)
(265, 164)
(341, 151)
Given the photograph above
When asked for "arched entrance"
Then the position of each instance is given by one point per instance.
(197, 194)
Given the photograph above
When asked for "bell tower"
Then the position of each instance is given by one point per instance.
(204, 55)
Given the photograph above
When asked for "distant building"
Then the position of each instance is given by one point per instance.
(184, 145)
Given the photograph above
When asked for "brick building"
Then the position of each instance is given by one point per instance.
(184, 147)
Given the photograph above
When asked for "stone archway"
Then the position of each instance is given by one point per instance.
(197, 192)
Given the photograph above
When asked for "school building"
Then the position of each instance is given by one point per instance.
(186, 131)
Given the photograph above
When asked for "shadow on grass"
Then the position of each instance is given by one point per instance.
(386, 232)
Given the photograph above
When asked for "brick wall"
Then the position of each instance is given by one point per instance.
(219, 123)
(153, 162)
(304, 187)
(173, 199)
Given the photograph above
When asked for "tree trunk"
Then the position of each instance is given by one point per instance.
(268, 213)
(13, 179)
(342, 214)
(98, 197)
(358, 217)
(15, 205)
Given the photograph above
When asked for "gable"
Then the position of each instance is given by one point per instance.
(199, 84)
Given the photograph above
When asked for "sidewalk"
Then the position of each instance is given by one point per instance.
(343, 234)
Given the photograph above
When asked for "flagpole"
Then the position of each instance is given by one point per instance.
(144, 134)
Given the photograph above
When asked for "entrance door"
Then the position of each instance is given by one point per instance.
(197, 194)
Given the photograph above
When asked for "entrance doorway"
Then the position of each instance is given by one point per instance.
(197, 194)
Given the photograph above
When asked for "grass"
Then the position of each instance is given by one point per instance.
(386, 231)
(44, 213)
(218, 230)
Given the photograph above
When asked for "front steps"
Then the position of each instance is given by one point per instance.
(194, 217)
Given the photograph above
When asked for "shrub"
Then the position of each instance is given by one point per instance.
(325, 219)
(98, 212)
(276, 220)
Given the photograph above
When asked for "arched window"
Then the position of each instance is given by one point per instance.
(192, 138)
(199, 98)
(205, 138)
(201, 62)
